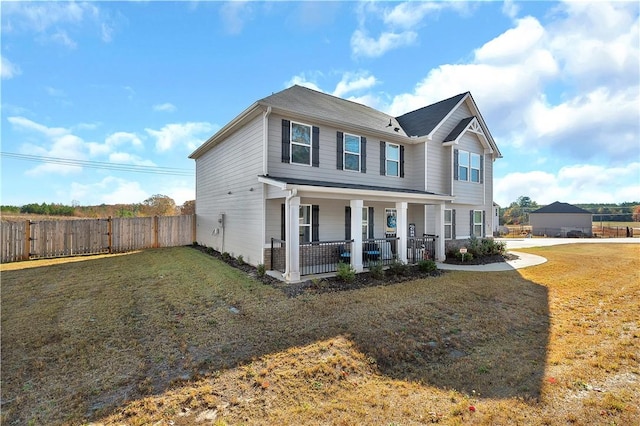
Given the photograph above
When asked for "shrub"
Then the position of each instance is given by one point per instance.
(226, 256)
(397, 268)
(467, 256)
(376, 270)
(261, 270)
(427, 265)
(346, 272)
(240, 259)
(210, 250)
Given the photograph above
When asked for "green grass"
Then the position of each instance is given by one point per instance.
(150, 337)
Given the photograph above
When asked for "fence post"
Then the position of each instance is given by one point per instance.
(194, 237)
(155, 232)
(109, 234)
(27, 240)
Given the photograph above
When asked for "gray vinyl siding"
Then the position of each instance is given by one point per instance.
(224, 178)
(327, 170)
(558, 224)
(468, 192)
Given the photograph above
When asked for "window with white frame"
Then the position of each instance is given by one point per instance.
(477, 223)
(393, 159)
(475, 168)
(463, 165)
(305, 223)
(352, 152)
(300, 143)
(365, 223)
(469, 166)
(448, 224)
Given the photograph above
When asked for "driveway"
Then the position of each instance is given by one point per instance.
(514, 244)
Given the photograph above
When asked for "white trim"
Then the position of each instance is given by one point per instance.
(451, 111)
(344, 152)
(386, 158)
(369, 194)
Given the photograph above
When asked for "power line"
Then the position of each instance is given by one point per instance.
(173, 171)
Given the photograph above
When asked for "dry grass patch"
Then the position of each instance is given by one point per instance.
(150, 337)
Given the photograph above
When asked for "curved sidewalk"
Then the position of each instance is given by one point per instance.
(524, 260)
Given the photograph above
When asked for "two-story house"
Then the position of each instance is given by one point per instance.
(302, 180)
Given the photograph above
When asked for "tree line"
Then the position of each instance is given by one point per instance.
(156, 205)
(517, 213)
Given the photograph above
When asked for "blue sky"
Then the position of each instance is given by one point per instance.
(113, 87)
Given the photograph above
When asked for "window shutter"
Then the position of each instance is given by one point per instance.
(286, 134)
(484, 231)
(339, 150)
(482, 168)
(347, 222)
(282, 222)
(315, 225)
(401, 161)
(363, 154)
(383, 160)
(371, 222)
(315, 147)
(471, 222)
(455, 164)
(453, 224)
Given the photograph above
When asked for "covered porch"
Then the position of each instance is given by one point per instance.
(311, 227)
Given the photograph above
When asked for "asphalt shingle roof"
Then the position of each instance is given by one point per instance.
(558, 207)
(308, 182)
(458, 129)
(422, 121)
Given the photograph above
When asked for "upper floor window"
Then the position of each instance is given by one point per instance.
(391, 159)
(300, 143)
(468, 166)
(351, 152)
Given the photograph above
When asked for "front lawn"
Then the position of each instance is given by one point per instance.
(174, 335)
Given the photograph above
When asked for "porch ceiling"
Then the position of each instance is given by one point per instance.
(346, 191)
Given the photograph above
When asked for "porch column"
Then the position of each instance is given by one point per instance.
(403, 229)
(356, 234)
(439, 222)
(292, 237)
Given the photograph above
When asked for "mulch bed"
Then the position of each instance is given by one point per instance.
(333, 284)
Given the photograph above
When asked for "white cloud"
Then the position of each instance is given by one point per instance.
(165, 107)
(410, 14)
(514, 44)
(351, 82)
(234, 15)
(110, 190)
(52, 20)
(8, 69)
(363, 45)
(123, 138)
(189, 135)
(583, 183)
(302, 80)
(22, 123)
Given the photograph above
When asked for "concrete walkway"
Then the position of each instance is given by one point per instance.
(525, 259)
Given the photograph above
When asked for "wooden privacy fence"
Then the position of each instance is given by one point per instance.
(59, 238)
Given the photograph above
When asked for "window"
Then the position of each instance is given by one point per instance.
(392, 156)
(448, 224)
(477, 223)
(365, 223)
(351, 152)
(475, 168)
(305, 223)
(468, 166)
(300, 143)
(463, 165)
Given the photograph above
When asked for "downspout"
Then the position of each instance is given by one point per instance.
(265, 141)
(287, 232)
(265, 170)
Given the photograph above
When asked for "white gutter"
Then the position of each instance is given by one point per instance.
(287, 232)
(265, 140)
